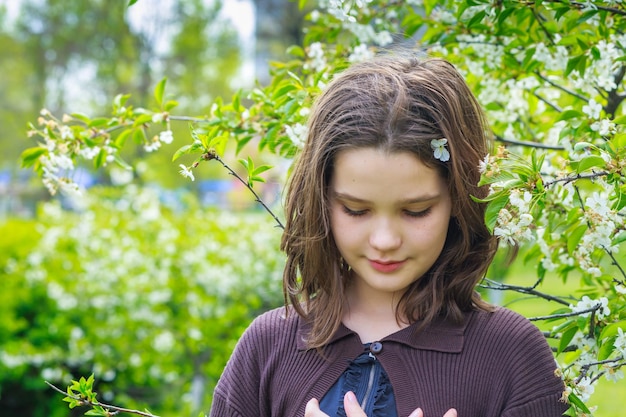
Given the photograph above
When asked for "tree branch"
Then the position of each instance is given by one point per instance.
(562, 88)
(576, 177)
(539, 19)
(591, 310)
(114, 408)
(548, 102)
(212, 155)
(614, 99)
(529, 144)
(495, 285)
(580, 5)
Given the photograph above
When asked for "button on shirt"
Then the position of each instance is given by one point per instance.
(368, 380)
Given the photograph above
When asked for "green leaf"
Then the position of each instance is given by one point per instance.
(120, 140)
(236, 101)
(100, 121)
(574, 63)
(493, 209)
(82, 117)
(100, 159)
(183, 150)
(573, 399)
(478, 17)
(30, 155)
(574, 238)
(142, 119)
(122, 163)
(567, 337)
(620, 120)
(619, 238)
(570, 114)
(606, 349)
(120, 100)
(261, 169)
(139, 136)
(247, 163)
(159, 90)
(591, 161)
(611, 329)
(131, 2)
(256, 179)
(170, 104)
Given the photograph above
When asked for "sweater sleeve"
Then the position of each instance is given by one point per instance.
(536, 389)
(237, 391)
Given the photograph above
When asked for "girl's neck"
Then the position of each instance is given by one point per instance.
(372, 315)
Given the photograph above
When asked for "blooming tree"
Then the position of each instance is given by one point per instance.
(550, 75)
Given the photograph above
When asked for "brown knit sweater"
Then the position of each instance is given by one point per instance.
(493, 365)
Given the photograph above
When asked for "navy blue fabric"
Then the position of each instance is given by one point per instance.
(380, 402)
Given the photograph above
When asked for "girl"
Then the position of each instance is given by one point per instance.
(385, 246)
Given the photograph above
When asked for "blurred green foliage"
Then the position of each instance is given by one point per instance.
(65, 55)
(150, 299)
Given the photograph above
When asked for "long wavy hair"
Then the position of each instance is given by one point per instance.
(397, 104)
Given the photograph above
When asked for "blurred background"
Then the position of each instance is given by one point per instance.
(76, 55)
(148, 280)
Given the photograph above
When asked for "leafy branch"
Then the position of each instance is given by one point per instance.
(564, 315)
(252, 176)
(495, 285)
(528, 144)
(572, 178)
(81, 393)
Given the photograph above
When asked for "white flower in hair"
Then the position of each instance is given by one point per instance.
(439, 146)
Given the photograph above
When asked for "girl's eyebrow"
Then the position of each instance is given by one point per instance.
(413, 200)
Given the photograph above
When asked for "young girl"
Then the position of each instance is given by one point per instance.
(385, 246)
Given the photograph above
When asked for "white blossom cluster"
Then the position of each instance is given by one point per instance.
(317, 59)
(586, 303)
(63, 148)
(297, 134)
(603, 224)
(165, 137)
(514, 227)
(344, 10)
(132, 259)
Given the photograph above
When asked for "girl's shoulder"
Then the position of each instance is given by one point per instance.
(277, 324)
(504, 326)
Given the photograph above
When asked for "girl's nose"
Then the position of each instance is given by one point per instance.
(385, 236)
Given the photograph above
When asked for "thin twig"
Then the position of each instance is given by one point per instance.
(539, 18)
(573, 178)
(83, 401)
(495, 285)
(562, 88)
(211, 155)
(529, 144)
(580, 5)
(548, 102)
(591, 310)
(584, 369)
(188, 119)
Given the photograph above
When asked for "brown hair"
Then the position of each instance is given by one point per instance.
(398, 104)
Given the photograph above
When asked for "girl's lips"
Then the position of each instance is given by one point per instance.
(381, 266)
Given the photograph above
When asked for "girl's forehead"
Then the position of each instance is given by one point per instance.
(373, 174)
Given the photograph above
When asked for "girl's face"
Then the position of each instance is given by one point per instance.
(389, 217)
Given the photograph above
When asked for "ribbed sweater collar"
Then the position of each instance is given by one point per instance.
(441, 335)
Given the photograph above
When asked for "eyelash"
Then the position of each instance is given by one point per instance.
(358, 213)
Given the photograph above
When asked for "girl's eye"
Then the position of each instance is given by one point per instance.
(422, 213)
(354, 213)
